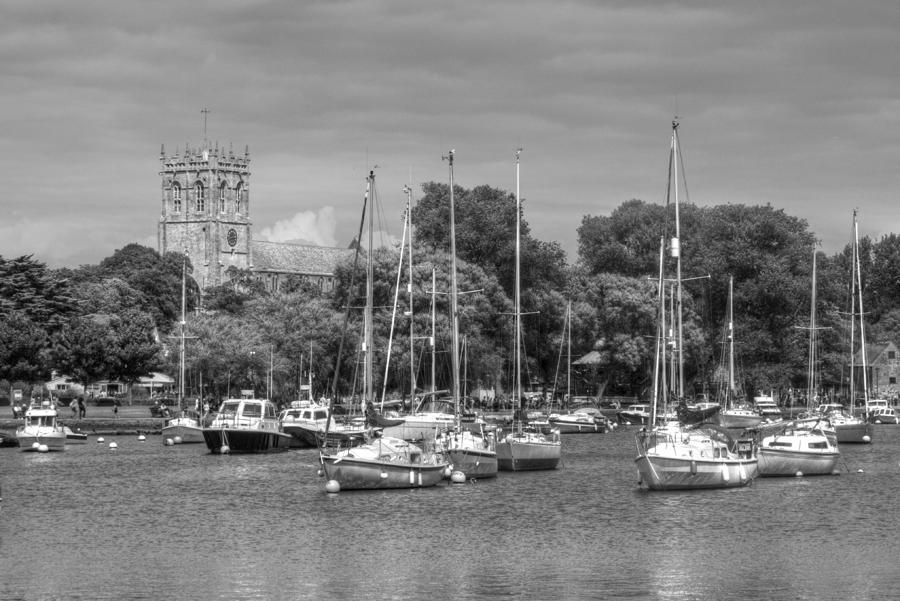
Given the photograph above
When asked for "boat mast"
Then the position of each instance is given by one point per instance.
(676, 253)
(811, 369)
(409, 285)
(454, 309)
(387, 362)
(569, 360)
(729, 393)
(518, 335)
(659, 365)
(862, 329)
(370, 279)
(433, 333)
(183, 325)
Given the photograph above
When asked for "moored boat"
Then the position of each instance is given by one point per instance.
(634, 415)
(883, 415)
(576, 423)
(847, 428)
(245, 426)
(385, 462)
(803, 448)
(41, 429)
(186, 428)
(74, 436)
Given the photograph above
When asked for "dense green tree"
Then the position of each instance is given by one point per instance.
(24, 349)
(26, 285)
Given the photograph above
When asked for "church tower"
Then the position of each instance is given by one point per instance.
(206, 210)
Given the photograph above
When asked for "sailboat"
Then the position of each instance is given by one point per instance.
(384, 461)
(581, 421)
(183, 428)
(848, 427)
(525, 448)
(674, 455)
(805, 447)
(734, 416)
(471, 452)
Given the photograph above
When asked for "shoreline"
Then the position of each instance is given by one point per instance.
(100, 426)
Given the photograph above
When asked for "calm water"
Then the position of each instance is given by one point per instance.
(148, 521)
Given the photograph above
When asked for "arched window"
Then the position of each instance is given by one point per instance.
(222, 197)
(176, 197)
(199, 198)
(238, 193)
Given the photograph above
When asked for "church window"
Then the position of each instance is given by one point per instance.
(200, 200)
(176, 198)
(238, 193)
(222, 198)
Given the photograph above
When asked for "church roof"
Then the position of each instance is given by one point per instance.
(280, 257)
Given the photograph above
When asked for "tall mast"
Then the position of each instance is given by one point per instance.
(659, 365)
(412, 344)
(454, 309)
(811, 369)
(370, 277)
(569, 359)
(518, 336)
(676, 253)
(183, 325)
(730, 392)
(853, 251)
(862, 329)
(433, 333)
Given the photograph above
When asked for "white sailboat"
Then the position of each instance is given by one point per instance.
(674, 456)
(384, 461)
(525, 448)
(183, 428)
(805, 447)
(848, 427)
(471, 451)
(734, 415)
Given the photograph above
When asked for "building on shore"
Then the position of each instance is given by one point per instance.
(206, 214)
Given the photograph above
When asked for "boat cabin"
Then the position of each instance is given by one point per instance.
(246, 413)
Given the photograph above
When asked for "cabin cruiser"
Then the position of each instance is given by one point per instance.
(638, 415)
(41, 432)
(306, 423)
(246, 426)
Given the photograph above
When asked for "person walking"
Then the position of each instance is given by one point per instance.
(82, 410)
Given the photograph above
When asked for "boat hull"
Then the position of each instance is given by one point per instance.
(73, 437)
(515, 455)
(789, 462)
(659, 472)
(474, 463)
(856, 433)
(55, 441)
(739, 421)
(420, 428)
(364, 474)
(627, 418)
(245, 440)
(187, 433)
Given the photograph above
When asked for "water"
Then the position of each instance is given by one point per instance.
(148, 521)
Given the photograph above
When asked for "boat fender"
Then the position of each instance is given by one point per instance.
(332, 486)
(725, 475)
(693, 468)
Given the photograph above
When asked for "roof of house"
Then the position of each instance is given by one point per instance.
(280, 257)
(874, 353)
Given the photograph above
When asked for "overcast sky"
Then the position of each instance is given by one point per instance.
(790, 103)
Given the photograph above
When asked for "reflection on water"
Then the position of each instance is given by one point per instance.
(148, 521)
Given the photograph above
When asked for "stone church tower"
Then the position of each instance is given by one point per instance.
(206, 210)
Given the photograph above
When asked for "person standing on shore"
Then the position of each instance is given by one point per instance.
(82, 410)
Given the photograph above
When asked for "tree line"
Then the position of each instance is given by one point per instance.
(120, 319)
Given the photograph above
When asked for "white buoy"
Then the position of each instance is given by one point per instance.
(458, 477)
(142, 438)
(169, 442)
(178, 440)
(35, 445)
(799, 474)
(225, 449)
(100, 439)
(867, 438)
(384, 475)
(448, 471)
(113, 446)
(860, 471)
(320, 472)
(332, 486)
(42, 448)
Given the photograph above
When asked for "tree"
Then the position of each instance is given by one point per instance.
(135, 352)
(83, 349)
(23, 349)
(27, 286)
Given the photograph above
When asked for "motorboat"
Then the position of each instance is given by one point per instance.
(245, 426)
(636, 415)
(767, 408)
(74, 436)
(883, 415)
(41, 431)
(803, 447)
(185, 428)
(578, 422)
(306, 425)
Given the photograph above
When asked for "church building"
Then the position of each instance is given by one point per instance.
(206, 213)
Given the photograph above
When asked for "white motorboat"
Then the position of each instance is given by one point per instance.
(246, 426)
(41, 431)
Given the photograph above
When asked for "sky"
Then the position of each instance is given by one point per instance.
(792, 104)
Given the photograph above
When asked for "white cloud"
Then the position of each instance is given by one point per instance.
(305, 227)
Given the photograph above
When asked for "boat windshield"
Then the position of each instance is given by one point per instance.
(434, 404)
(229, 408)
(252, 411)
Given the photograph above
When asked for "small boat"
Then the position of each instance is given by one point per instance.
(805, 447)
(186, 427)
(847, 428)
(74, 436)
(307, 424)
(634, 415)
(8, 439)
(434, 414)
(385, 462)
(246, 426)
(577, 423)
(734, 415)
(883, 415)
(767, 407)
(41, 429)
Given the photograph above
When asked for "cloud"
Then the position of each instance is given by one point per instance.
(306, 227)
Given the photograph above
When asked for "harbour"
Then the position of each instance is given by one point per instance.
(151, 521)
